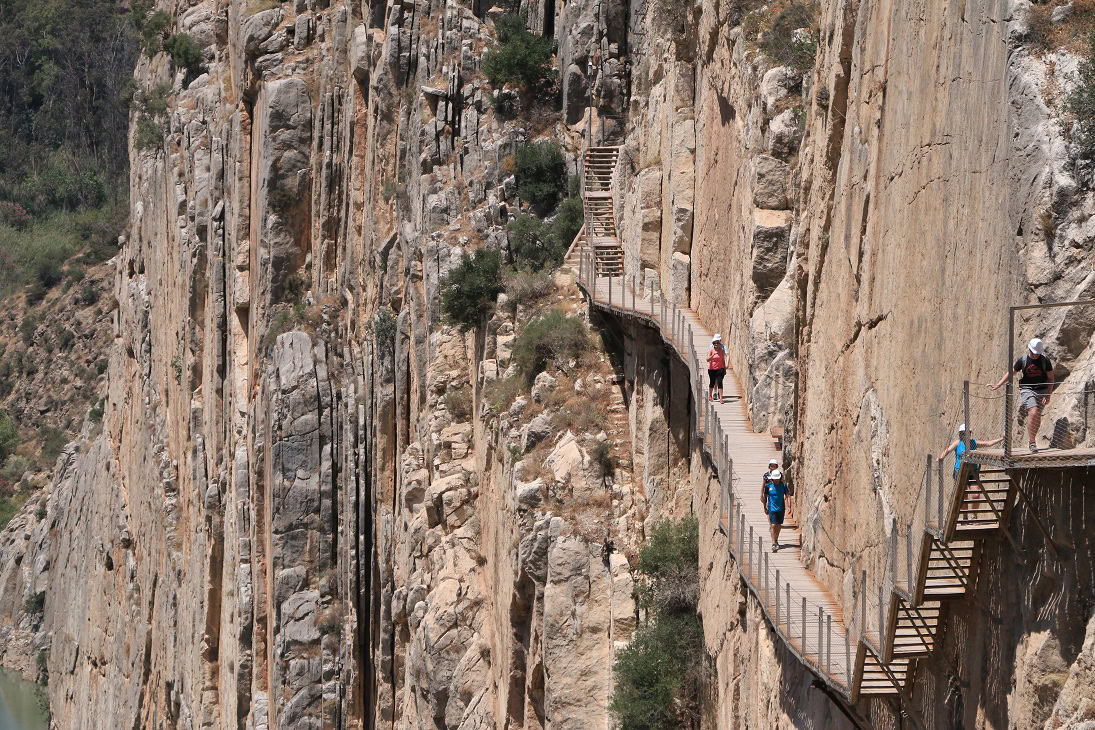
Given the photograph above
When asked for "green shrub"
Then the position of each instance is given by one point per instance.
(779, 42)
(585, 416)
(40, 513)
(383, 328)
(669, 561)
(520, 58)
(65, 339)
(184, 51)
(525, 287)
(603, 458)
(14, 468)
(89, 294)
(36, 604)
(1081, 101)
(149, 134)
(101, 365)
(657, 677)
(553, 338)
(53, 443)
(9, 438)
(458, 402)
(96, 412)
(500, 394)
(28, 326)
(279, 325)
(541, 174)
(568, 222)
(532, 244)
(153, 28)
(388, 190)
(469, 291)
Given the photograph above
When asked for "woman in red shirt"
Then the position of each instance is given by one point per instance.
(716, 368)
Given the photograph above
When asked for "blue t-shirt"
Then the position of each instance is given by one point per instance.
(775, 495)
(961, 450)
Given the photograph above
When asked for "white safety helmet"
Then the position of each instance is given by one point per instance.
(961, 429)
(1036, 346)
(717, 338)
(773, 462)
(777, 475)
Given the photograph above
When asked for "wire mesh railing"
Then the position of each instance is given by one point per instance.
(812, 627)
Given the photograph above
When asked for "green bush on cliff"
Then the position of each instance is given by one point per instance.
(520, 58)
(1081, 101)
(657, 678)
(9, 437)
(469, 291)
(184, 51)
(541, 174)
(553, 339)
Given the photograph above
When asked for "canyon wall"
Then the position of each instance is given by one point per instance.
(307, 505)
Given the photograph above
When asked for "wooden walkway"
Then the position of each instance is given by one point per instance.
(799, 608)
(895, 617)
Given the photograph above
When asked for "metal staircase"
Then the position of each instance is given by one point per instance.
(600, 215)
(944, 570)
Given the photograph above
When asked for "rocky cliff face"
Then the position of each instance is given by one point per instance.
(292, 518)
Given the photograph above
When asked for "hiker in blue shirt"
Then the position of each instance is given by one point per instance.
(772, 497)
(959, 448)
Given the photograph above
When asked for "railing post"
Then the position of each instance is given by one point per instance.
(939, 496)
(787, 602)
(881, 620)
(777, 599)
(966, 412)
(828, 641)
(610, 291)
(751, 563)
(760, 551)
(741, 537)
(820, 636)
(805, 650)
(863, 604)
(1007, 388)
(908, 562)
(893, 549)
(764, 577)
(848, 657)
(928, 491)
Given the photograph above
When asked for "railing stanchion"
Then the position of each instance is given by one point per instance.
(908, 563)
(863, 604)
(760, 551)
(939, 497)
(751, 563)
(928, 491)
(805, 650)
(820, 636)
(881, 621)
(741, 538)
(787, 602)
(848, 657)
(828, 641)
(966, 412)
(777, 599)
(764, 576)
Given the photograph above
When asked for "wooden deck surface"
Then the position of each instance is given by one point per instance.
(749, 453)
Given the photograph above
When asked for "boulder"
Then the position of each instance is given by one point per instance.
(770, 183)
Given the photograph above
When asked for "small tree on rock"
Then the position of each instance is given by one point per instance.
(469, 291)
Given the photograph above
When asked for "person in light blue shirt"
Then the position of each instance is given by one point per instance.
(959, 448)
(772, 496)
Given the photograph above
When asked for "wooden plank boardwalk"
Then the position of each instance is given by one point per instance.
(798, 606)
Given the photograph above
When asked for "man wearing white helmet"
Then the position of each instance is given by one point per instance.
(959, 448)
(772, 497)
(1035, 386)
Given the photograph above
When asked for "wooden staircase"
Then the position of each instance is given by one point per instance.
(600, 215)
(946, 570)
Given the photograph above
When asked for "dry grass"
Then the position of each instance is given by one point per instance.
(1071, 35)
(588, 515)
(532, 464)
(259, 6)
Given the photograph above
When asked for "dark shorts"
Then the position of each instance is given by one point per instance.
(775, 518)
(716, 377)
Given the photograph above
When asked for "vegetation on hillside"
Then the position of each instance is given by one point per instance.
(469, 291)
(657, 676)
(786, 31)
(1081, 101)
(520, 58)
